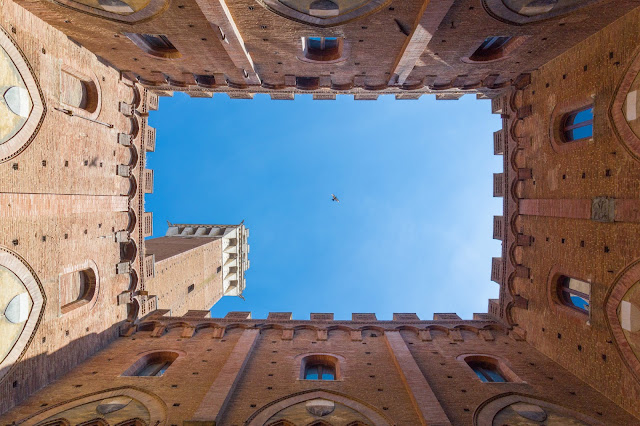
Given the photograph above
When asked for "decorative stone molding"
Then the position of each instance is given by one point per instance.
(153, 8)
(488, 410)
(263, 414)
(603, 209)
(23, 137)
(501, 12)
(281, 9)
(27, 277)
(156, 407)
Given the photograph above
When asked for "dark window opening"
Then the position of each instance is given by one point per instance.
(578, 124)
(191, 287)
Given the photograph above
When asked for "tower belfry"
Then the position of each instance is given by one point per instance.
(196, 264)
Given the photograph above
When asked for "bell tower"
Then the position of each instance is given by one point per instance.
(195, 265)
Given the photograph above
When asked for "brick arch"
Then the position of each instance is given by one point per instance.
(623, 282)
(627, 138)
(498, 10)
(486, 412)
(263, 414)
(156, 407)
(27, 276)
(372, 6)
(155, 7)
(21, 140)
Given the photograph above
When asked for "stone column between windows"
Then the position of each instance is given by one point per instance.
(216, 399)
(424, 400)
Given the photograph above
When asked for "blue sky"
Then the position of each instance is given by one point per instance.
(412, 231)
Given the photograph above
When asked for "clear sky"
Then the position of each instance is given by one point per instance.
(412, 231)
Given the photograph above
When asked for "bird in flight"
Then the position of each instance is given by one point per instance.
(334, 198)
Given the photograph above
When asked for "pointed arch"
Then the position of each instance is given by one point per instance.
(156, 408)
(625, 282)
(28, 97)
(263, 414)
(23, 313)
(492, 407)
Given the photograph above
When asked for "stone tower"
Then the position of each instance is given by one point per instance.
(195, 265)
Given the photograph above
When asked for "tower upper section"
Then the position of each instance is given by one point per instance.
(234, 250)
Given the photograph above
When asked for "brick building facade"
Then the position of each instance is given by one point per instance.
(89, 306)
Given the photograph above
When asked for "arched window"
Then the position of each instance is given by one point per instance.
(578, 124)
(78, 92)
(152, 365)
(574, 293)
(490, 369)
(76, 289)
(322, 49)
(154, 44)
(319, 367)
(486, 371)
(319, 371)
(492, 48)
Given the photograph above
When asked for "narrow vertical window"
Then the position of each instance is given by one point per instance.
(578, 124)
(574, 293)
